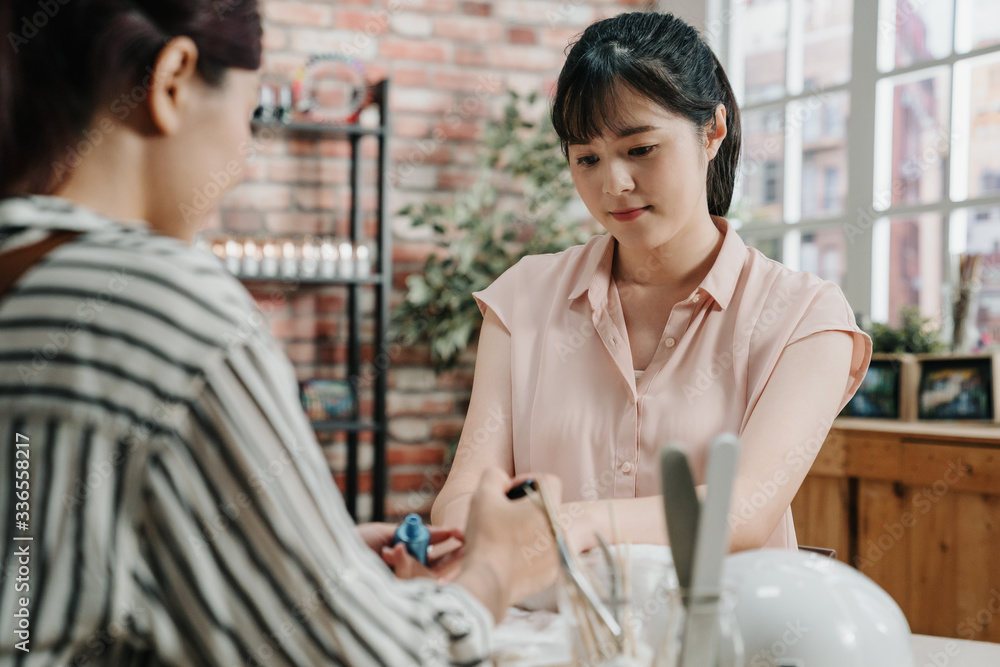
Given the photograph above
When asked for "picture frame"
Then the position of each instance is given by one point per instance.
(959, 388)
(888, 390)
(327, 399)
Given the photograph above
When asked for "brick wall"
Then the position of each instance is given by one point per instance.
(450, 63)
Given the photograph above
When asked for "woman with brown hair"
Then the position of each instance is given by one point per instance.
(665, 329)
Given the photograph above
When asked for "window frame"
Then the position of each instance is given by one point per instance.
(866, 224)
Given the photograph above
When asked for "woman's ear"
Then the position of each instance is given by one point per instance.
(175, 76)
(715, 132)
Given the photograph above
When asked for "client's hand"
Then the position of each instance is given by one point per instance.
(444, 556)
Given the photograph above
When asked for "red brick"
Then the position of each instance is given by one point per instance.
(429, 5)
(396, 48)
(274, 39)
(457, 378)
(414, 354)
(415, 481)
(300, 352)
(403, 404)
(472, 82)
(298, 14)
(295, 223)
(558, 37)
(420, 100)
(259, 196)
(422, 153)
(468, 29)
(476, 8)
(318, 198)
(404, 253)
(290, 170)
(369, 23)
(458, 131)
(408, 78)
(414, 455)
(470, 56)
(522, 36)
(518, 57)
(455, 180)
(447, 429)
(364, 482)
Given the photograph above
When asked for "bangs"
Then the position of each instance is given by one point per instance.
(593, 108)
(595, 88)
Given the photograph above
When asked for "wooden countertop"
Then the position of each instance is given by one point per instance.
(942, 429)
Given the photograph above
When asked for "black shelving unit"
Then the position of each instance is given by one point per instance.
(380, 281)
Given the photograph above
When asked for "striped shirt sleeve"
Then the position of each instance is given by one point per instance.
(245, 538)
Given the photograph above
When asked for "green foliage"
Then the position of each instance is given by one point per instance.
(916, 336)
(482, 233)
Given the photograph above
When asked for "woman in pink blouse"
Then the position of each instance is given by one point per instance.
(665, 329)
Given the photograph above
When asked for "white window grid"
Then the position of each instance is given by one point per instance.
(866, 214)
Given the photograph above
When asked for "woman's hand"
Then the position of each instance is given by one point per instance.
(511, 553)
(444, 555)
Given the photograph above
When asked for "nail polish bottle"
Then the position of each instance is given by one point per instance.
(415, 536)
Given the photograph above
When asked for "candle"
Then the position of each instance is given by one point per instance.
(328, 258)
(234, 256)
(251, 258)
(346, 263)
(310, 258)
(364, 262)
(269, 263)
(289, 262)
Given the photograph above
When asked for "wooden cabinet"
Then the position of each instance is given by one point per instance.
(916, 507)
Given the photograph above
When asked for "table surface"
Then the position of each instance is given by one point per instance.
(537, 639)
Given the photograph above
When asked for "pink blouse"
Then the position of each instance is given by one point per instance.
(580, 412)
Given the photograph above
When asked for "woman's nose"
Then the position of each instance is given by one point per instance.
(617, 179)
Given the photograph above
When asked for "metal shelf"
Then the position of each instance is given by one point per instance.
(345, 425)
(382, 279)
(292, 283)
(319, 128)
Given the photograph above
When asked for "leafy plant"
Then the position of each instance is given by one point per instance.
(484, 231)
(916, 336)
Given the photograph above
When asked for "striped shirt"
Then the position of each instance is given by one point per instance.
(179, 508)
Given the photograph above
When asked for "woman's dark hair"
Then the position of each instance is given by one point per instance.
(662, 58)
(60, 60)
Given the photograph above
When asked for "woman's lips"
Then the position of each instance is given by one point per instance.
(628, 214)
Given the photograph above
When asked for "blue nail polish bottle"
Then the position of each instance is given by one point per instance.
(414, 534)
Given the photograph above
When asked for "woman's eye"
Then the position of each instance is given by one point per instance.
(587, 160)
(641, 151)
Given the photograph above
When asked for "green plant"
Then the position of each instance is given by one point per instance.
(916, 336)
(483, 231)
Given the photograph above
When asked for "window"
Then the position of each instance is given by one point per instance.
(831, 188)
(880, 192)
(771, 182)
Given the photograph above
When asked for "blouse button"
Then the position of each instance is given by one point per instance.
(626, 467)
(697, 298)
(670, 342)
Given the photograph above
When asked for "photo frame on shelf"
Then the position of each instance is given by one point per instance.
(325, 400)
(888, 390)
(959, 388)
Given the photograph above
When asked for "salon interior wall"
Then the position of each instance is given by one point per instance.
(450, 62)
